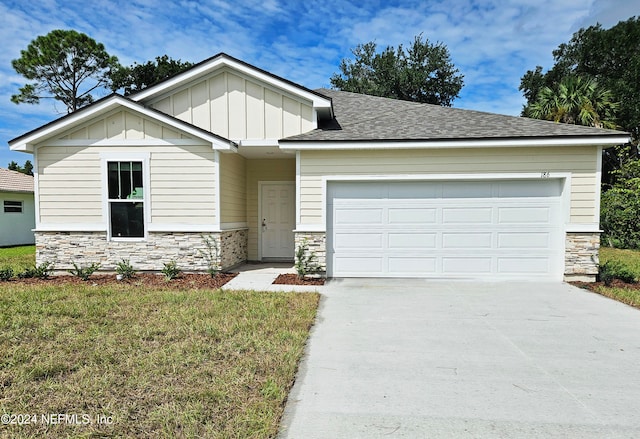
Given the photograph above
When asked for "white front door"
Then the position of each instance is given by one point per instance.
(277, 220)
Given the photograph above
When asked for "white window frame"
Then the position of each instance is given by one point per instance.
(143, 157)
(4, 206)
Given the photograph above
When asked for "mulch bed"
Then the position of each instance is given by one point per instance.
(616, 283)
(186, 281)
(294, 279)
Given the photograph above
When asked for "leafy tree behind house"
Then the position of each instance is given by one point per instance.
(140, 76)
(26, 169)
(64, 65)
(611, 58)
(423, 72)
(575, 100)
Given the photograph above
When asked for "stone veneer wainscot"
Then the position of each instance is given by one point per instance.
(317, 244)
(581, 256)
(85, 248)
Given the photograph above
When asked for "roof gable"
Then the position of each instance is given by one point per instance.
(13, 181)
(68, 124)
(221, 61)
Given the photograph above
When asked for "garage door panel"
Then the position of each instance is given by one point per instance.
(355, 241)
(515, 265)
(524, 215)
(367, 265)
(358, 216)
(478, 215)
(462, 189)
(412, 241)
(466, 265)
(528, 188)
(468, 229)
(407, 215)
(524, 240)
(466, 240)
(412, 266)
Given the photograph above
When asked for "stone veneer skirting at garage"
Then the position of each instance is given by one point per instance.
(85, 248)
(581, 256)
(317, 244)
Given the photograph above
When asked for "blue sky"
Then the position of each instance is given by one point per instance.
(492, 42)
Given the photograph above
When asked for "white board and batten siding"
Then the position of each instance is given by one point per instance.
(70, 177)
(237, 107)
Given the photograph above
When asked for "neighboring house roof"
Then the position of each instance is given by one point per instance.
(14, 181)
(26, 141)
(361, 117)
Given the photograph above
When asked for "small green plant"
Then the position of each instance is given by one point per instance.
(611, 270)
(84, 272)
(125, 269)
(41, 271)
(305, 260)
(6, 274)
(171, 270)
(211, 255)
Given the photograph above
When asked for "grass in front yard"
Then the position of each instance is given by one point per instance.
(151, 363)
(629, 258)
(629, 294)
(18, 258)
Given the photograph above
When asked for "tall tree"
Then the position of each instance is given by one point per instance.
(140, 76)
(423, 72)
(609, 56)
(575, 100)
(26, 169)
(65, 65)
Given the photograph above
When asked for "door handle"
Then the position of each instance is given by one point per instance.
(264, 222)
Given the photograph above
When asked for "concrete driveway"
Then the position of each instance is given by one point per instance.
(435, 359)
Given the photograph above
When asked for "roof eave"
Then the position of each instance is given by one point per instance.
(604, 141)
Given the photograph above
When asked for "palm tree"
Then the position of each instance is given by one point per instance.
(577, 100)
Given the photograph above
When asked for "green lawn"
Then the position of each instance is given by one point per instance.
(125, 362)
(18, 258)
(631, 260)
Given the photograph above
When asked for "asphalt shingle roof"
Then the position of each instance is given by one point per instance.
(362, 117)
(13, 181)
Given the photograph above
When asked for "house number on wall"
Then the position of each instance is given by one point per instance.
(544, 174)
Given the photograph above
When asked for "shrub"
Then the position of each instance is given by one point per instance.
(171, 270)
(6, 274)
(84, 272)
(620, 206)
(611, 270)
(211, 254)
(305, 260)
(125, 269)
(42, 271)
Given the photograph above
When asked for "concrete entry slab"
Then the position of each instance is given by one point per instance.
(418, 358)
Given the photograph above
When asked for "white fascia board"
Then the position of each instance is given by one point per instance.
(220, 62)
(442, 144)
(27, 144)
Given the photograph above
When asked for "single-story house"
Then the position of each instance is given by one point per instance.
(17, 213)
(372, 186)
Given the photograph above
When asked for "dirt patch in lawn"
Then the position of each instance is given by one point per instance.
(186, 281)
(294, 279)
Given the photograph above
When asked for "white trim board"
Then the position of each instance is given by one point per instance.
(455, 143)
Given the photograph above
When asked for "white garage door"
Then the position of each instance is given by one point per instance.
(469, 229)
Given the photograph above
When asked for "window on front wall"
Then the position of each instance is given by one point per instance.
(126, 205)
(13, 207)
